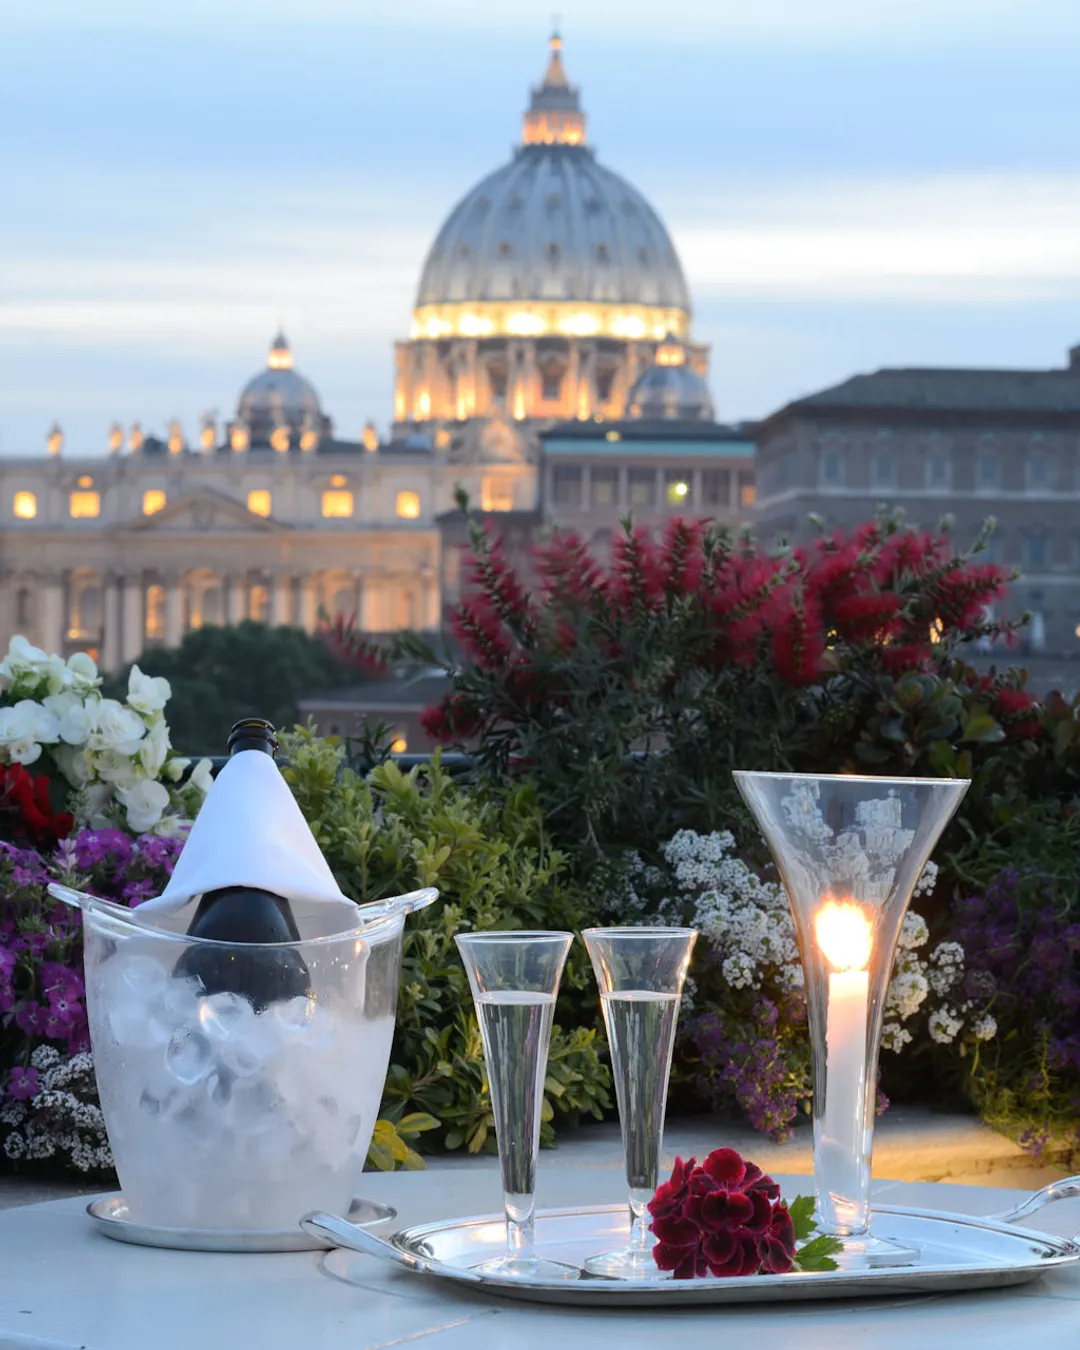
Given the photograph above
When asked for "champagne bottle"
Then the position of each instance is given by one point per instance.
(241, 915)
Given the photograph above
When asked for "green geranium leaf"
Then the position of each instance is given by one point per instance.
(801, 1210)
(818, 1254)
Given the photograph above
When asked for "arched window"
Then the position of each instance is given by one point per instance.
(24, 608)
(259, 604)
(155, 613)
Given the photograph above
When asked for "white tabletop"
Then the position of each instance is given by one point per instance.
(63, 1285)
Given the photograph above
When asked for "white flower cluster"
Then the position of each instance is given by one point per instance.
(745, 919)
(62, 1118)
(748, 924)
(113, 754)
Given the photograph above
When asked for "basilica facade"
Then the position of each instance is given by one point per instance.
(551, 372)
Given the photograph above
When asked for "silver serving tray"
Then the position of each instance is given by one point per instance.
(958, 1252)
(110, 1216)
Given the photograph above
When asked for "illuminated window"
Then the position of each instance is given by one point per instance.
(716, 487)
(260, 604)
(338, 480)
(677, 488)
(408, 505)
(604, 487)
(152, 500)
(258, 502)
(747, 490)
(86, 481)
(155, 613)
(24, 505)
(399, 745)
(642, 488)
(84, 504)
(337, 503)
(497, 494)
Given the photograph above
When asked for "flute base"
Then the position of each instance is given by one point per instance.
(527, 1268)
(865, 1252)
(632, 1263)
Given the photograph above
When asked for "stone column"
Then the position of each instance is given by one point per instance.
(174, 613)
(134, 622)
(110, 644)
(235, 600)
(309, 604)
(52, 615)
(281, 602)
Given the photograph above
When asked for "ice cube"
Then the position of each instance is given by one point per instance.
(294, 1016)
(134, 1024)
(180, 1003)
(225, 1015)
(190, 1056)
(143, 976)
(151, 1104)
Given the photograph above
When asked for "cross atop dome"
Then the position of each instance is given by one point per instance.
(554, 116)
(280, 357)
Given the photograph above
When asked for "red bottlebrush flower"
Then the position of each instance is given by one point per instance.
(681, 560)
(867, 616)
(900, 657)
(722, 1218)
(480, 632)
(500, 590)
(798, 639)
(453, 718)
(568, 571)
(635, 572)
(1012, 707)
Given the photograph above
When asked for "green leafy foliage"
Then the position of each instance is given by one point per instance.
(816, 1253)
(495, 868)
(219, 675)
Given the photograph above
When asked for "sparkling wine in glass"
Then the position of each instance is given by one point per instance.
(640, 972)
(514, 979)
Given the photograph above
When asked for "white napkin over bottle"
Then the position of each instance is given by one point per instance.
(250, 832)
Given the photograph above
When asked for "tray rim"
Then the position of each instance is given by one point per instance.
(167, 1237)
(1062, 1252)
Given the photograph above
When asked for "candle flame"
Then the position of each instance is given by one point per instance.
(844, 935)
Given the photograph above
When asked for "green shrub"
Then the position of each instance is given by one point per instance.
(390, 832)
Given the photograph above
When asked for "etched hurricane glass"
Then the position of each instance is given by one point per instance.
(514, 979)
(640, 972)
(849, 850)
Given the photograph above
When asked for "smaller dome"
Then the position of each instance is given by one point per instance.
(670, 390)
(279, 397)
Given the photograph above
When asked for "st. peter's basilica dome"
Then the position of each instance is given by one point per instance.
(279, 402)
(548, 289)
(552, 242)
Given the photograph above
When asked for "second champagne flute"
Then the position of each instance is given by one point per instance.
(514, 979)
(640, 972)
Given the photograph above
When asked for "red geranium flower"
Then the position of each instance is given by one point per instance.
(722, 1218)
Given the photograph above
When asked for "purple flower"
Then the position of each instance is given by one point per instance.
(30, 1018)
(23, 1084)
(96, 846)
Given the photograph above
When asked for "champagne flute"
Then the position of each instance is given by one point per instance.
(640, 972)
(514, 979)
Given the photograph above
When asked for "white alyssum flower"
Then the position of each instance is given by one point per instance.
(114, 727)
(946, 967)
(913, 932)
(145, 804)
(984, 1028)
(62, 1118)
(945, 1025)
(147, 694)
(894, 1036)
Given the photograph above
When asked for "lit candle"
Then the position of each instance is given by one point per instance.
(844, 936)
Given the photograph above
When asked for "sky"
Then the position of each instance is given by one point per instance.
(849, 184)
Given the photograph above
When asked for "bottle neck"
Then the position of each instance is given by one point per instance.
(253, 733)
